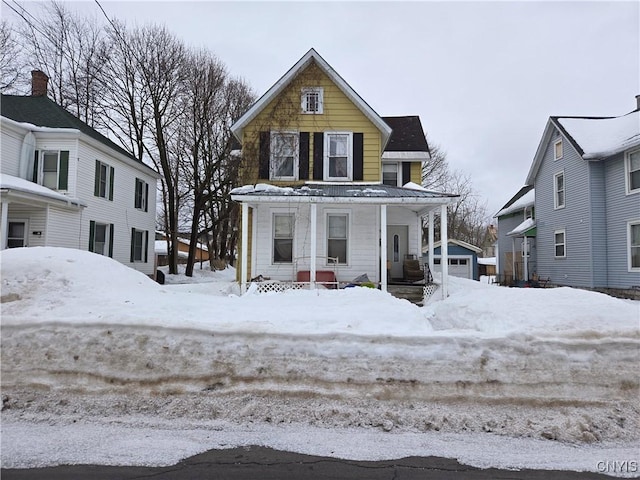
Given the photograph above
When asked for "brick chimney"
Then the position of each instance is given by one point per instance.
(39, 81)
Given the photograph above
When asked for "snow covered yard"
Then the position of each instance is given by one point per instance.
(93, 349)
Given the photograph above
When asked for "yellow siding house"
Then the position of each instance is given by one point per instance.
(331, 190)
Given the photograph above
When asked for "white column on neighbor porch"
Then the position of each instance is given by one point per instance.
(313, 215)
(383, 248)
(526, 258)
(513, 259)
(444, 252)
(4, 225)
(431, 239)
(245, 247)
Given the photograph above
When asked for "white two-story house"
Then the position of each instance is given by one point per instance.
(63, 184)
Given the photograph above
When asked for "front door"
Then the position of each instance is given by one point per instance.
(397, 248)
(17, 234)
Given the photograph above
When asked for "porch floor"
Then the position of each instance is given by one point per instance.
(406, 291)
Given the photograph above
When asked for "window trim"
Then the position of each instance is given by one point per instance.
(327, 158)
(62, 169)
(564, 243)
(109, 181)
(304, 103)
(338, 213)
(630, 266)
(108, 243)
(296, 155)
(556, 206)
(556, 144)
(144, 250)
(292, 215)
(143, 197)
(627, 172)
(398, 172)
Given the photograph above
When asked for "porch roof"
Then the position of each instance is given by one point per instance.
(526, 229)
(21, 190)
(361, 193)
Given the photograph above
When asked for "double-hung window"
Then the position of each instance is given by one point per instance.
(633, 233)
(139, 244)
(283, 238)
(284, 155)
(141, 195)
(337, 237)
(559, 190)
(51, 169)
(390, 174)
(632, 172)
(101, 238)
(338, 157)
(312, 101)
(560, 243)
(104, 176)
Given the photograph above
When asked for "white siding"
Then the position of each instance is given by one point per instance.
(120, 211)
(36, 222)
(63, 228)
(363, 240)
(10, 148)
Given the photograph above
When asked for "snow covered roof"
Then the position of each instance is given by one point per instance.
(16, 186)
(487, 261)
(311, 57)
(453, 241)
(593, 138)
(334, 192)
(523, 228)
(524, 198)
(598, 138)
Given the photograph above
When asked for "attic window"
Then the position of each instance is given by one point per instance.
(557, 149)
(312, 100)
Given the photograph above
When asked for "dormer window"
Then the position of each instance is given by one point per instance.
(312, 100)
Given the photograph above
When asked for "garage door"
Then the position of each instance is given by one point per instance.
(458, 267)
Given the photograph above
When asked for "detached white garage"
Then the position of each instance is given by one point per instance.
(463, 259)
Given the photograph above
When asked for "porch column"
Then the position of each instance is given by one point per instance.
(245, 247)
(513, 259)
(313, 214)
(444, 251)
(526, 259)
(4, 225)
(432, 216)
(383, 248)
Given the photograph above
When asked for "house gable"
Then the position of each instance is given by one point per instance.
(280, 111)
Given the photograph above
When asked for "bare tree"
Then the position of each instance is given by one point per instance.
(435, 171)
(11, 65)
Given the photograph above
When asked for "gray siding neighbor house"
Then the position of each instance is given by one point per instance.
(586, 176)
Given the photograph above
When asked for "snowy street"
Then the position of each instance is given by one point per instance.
(129, 372)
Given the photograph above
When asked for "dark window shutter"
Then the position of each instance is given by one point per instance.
(111, 228)
(146, 246)
(406, 173)
(96, 187)
(111, 175)
(358, 156)
(303, 157)
(133, 243)
(146, 197)
(92, 234)
(63, 175)
(35, 166)
(264, 155)
(318, 155)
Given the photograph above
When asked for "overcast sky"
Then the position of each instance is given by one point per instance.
(483, 76)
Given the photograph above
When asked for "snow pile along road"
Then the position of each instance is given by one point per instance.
(85, 338)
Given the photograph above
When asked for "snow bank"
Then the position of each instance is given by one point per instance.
(85, 338)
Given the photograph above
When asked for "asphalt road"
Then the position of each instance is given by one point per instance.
(266, 464)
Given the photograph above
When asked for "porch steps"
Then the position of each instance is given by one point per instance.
(413, 293)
